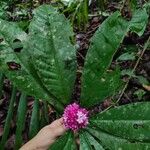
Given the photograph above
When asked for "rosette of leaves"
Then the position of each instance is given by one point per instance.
(45, 67)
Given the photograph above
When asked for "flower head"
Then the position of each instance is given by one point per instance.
(75, 117)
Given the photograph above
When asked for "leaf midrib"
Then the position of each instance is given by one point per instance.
(60, 72)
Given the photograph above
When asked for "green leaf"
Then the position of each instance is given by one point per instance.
(128, 72)
(81, 14)
(136, 146)
(126, 56)
(84, 143)
(52, 54)
(133, 4)
(142, 80)
(34, 122)
(139, 93)
(8, 119)
(47, 64)
(139, 21)
(21, 78)
(100, 54)
(109, 83)
(3, 9)
(147, 7)
(128, 122)
(68, 3)
(104, 45)
(124, 127)
(21, 117)
(87, 142)
(131, 48)
(66, 142)
(112, 142)
(23, 24)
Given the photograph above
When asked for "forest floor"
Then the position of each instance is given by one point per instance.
(135, 90)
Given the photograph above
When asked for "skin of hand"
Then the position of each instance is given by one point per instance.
(46, 136)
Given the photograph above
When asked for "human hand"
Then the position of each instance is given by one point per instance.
(46, 136)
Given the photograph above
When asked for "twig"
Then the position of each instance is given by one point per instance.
(137, 63)
(123, 5)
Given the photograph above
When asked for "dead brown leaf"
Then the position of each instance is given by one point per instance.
(146, 87)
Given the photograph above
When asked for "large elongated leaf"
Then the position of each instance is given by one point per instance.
(52, 53)
(66, 142)
(112, 142)
(124, 126)
(47, 61)
(103, 47)
(9, 34)
(129, 121)
(16, 65)
(88, 142)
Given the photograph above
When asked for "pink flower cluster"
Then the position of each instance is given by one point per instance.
(75, 117)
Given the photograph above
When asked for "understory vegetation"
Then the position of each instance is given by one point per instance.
(94, 53)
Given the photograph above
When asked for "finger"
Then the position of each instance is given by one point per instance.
(60, 131)
(56, 123)
(61, 120)
(78, 141)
